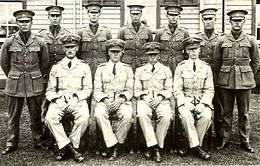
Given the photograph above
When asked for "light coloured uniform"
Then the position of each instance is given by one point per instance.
(194, 87)
(158, 82)
(108, 85)
(65, 81)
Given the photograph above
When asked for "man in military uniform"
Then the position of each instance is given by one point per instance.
(24, 60)
(210, 38)
(93, 37)
(135, 35)
(53, 34)
(113, 93)
(70, 84)
(237, 60)
(171, 37)
(194, 91)
(52, 37)
(153, 88)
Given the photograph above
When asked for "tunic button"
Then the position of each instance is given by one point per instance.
(24, 55)
(25, 72)
(24, 63)
(54, 54)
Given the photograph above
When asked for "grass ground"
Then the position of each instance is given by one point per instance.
(26, 155)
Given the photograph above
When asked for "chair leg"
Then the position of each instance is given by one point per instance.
(209, 139)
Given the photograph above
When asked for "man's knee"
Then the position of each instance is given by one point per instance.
(100, 111)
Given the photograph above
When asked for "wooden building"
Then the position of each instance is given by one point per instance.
(115, 14)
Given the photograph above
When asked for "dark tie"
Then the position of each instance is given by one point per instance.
(153, 68)
(69, 64)
(114, 69)
(194, 66)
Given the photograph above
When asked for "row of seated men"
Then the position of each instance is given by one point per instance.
(70, 80)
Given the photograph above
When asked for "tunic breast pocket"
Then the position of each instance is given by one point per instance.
(107, 78)
(15, 53)
(32, 56)
(227, 50)
(245, 46)
(145, 80)
(188, 79)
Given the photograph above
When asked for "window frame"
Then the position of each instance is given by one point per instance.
(117, 3)
(255, 21)
(163, 3)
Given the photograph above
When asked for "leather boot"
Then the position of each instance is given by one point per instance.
(77, 156)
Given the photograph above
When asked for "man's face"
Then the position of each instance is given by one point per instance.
(115, 54)
(70, 51)
(193, 52)
(93, 16)
(173, 18)
(237, 25)
(135, 16)
(24, 24)
(55, 18)
(153, 58)
(209, 22)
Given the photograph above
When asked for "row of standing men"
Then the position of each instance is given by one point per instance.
(235, 59)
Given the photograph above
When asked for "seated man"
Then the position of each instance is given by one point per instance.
(194, 91)
(113, 92)
(153, 88)
(68, 88)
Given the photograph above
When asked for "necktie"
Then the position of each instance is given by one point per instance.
(69, 64)
(114, 69)
(194, 66)
(153, 68)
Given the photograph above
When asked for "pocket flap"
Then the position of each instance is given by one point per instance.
(161, 76)
(245, 69)
(225, 69)
(15, 49)
(226, 45)
(101, 38)
(245, 44)
(34, 49)
(36, 74)
(14, 75)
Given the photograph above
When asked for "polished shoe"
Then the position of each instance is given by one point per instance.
(157, 156)
(147, 154)
(9, 149)
(223, 145)
(113, 153)
(246, 146)
(61, 155)
(198, 151)
(103, 153)
(77, 156)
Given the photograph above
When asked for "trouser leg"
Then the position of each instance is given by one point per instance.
(124, 115)
(218, 110)
(227, 101)
(144, 114)
(52, 119)
(34, 106)
(14, 111)
(164, 117)
(189, 127)
(81, 116)
(243, 97)
(203, 124)
(102, 118)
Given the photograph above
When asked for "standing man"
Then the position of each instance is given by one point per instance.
(113, 93)
(171, 37)
(210, 38)
(153, 88)
(194, 92)
(237, 60)
(70, 84)
(53, 34)
(135, 35)
(24, 60)
(93, 37)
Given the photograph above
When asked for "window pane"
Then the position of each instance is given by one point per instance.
(13, 29)
(3, 32)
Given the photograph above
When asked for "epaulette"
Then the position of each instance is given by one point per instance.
(206, 63)
(182, 62)
(82, 61)
(127, 65)
(11, 35)
(40, 32)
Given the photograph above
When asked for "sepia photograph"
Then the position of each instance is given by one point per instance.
(129, 82)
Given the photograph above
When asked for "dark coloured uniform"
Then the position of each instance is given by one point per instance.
(55, 49)
(236, 60)
(92, 46)
(172, 53)
(24, 65)
(134, 41)
(207, 48)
